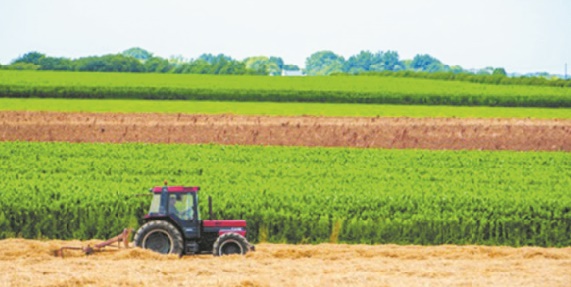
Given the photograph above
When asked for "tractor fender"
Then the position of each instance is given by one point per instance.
(164, 218)
(234, 230)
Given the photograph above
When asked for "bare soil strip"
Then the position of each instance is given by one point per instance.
(31, 263)
(401, 133)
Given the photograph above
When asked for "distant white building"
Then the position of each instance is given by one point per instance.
(287, 73)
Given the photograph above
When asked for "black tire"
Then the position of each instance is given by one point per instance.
(230, 243)
(159, 236)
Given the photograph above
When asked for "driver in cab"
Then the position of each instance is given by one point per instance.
(176, 203)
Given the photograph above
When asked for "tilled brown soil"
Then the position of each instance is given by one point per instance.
(364, 132)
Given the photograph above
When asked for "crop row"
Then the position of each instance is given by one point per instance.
(64, 190)
(280, 109)
(338, 89)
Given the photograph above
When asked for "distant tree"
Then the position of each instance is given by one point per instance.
(177, 60)
(22, 66)
(56, 64)
(361, 62)
(109, 63)
(201, 66)
(278, 61)
(456, 69)
(30, 58)
(215, 64)
(222, 65)
(213, 59)
(391, 61)
(262, 65)
(485, 71)
(291, 68)
(182, 68)
(324, 63)
(40, 61)
(157, 65)
(137, 53)
(407, 64)
(234, 68)
(500, 72)
(211, 64)
(426, 63)
(366, 61)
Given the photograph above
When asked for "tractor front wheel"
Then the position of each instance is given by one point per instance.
(159, 236)
(230, 243)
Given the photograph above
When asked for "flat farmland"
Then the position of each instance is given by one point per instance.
(362, 132)
(336, 89)
(390, 174)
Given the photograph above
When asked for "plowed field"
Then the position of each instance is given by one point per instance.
(415, 133)
(31, 263)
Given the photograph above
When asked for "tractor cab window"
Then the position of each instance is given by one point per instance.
(156, 205)
(181, 205)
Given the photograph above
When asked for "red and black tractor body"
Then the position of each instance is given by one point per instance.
(173, 225)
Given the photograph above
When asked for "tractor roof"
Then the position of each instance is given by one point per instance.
(158, 189)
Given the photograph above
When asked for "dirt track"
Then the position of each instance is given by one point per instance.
(423, 133)
(30, 263)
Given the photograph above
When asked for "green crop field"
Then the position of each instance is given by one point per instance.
(276, 109)
(294, 194)
(334, 89)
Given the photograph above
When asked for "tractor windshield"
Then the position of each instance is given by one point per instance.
(181, 205)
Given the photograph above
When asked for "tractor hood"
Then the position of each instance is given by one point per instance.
(225, 226)
(224, 223)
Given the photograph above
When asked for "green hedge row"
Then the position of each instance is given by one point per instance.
(475, 78)
(164, 93)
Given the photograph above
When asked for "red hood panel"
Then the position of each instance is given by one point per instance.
(224, 223)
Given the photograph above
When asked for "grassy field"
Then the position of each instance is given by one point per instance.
(293, 194)
(334, 89)
(276, 109)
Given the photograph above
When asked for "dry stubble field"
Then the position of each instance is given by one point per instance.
(30, 263)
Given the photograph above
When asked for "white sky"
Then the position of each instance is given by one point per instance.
(519, 35)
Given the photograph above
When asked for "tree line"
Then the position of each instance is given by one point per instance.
(321, 63)
(137, 60)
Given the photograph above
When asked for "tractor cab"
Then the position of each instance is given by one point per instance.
(178, 204)
(173, 225)
(178, 201)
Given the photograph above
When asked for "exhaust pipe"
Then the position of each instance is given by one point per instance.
(210, 206)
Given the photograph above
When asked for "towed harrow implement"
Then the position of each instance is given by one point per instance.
(88, 250)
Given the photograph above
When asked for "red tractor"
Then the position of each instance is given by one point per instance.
(173, 225)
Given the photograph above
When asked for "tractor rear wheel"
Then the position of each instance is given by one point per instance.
(230, 243)
(159, 236)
